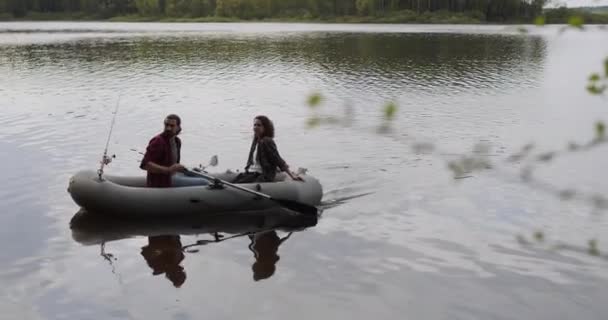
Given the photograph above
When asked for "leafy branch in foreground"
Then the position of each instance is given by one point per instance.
(477, 160)
(539, 239)
(599, 82)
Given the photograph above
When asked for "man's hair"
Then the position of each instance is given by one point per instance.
(176, 118)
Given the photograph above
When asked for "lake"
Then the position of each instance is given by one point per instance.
(400, 236)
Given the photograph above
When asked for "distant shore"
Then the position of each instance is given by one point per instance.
(430, 18)
(403, 17)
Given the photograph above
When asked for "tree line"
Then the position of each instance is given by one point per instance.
(489, 10)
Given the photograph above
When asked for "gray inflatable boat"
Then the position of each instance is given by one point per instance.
(129, 196)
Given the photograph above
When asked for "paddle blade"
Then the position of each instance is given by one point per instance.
(214, 161)
(299, 207)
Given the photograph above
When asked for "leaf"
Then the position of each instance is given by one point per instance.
(526, 174)
(593, 250)
(573, 146)
(539, 236)
(515, 157)
(540, 21)
(314, 100)
(546, 157)
(599, 201)
(522, 240)
(567, 194)
(390, 110)
(423, 147)
(594, 77)
(576, 21)
(593, 89)
(600, 130)
(332, 120)
(313, 122)
(528, 147)
(384, 128)
(456, 168)
(482, 148)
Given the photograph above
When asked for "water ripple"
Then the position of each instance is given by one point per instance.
(392, 227)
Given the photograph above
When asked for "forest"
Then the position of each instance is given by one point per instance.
(364, 10)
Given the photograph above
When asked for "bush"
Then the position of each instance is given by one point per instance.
(478, 15)
(6, 17)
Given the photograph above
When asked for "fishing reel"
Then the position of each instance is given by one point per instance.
(212, 163)
(106, 160)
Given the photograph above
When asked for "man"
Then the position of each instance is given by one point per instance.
(163, 154)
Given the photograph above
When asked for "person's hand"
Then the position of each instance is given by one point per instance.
(176, 168)
(296, 177)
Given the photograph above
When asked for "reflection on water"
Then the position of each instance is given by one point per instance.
(164, 251)
(265, 247)
(347, 61)
(163, 255)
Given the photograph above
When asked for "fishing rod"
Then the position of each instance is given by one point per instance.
(105, 160)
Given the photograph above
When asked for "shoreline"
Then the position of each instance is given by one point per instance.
(433, 18)
(423, 18)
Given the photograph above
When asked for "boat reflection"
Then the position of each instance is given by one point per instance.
(165, 253)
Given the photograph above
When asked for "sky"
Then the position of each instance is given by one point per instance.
(581, 3)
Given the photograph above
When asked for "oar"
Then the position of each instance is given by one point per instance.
(216, 240)
(289, 204)
(212, 163)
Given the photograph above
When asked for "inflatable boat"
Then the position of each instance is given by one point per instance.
(129, 196)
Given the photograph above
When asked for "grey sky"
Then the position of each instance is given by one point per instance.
(580, 3)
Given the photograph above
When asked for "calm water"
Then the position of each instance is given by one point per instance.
(421, 245)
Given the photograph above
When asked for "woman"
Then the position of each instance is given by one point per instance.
(264, 158)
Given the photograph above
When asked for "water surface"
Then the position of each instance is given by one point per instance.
(420, 245)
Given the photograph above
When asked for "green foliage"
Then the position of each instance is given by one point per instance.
(365, 7)
(314, 121)
(468, 164)
(596, 89)
(389, 11)
(593, 250)
(540, 21)
(390, 110)
(597, 84)
(148, 7)
(576, 21)
(574, 17)
(600, 130)
(529, 160)
(314, 100)
(423, 148)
